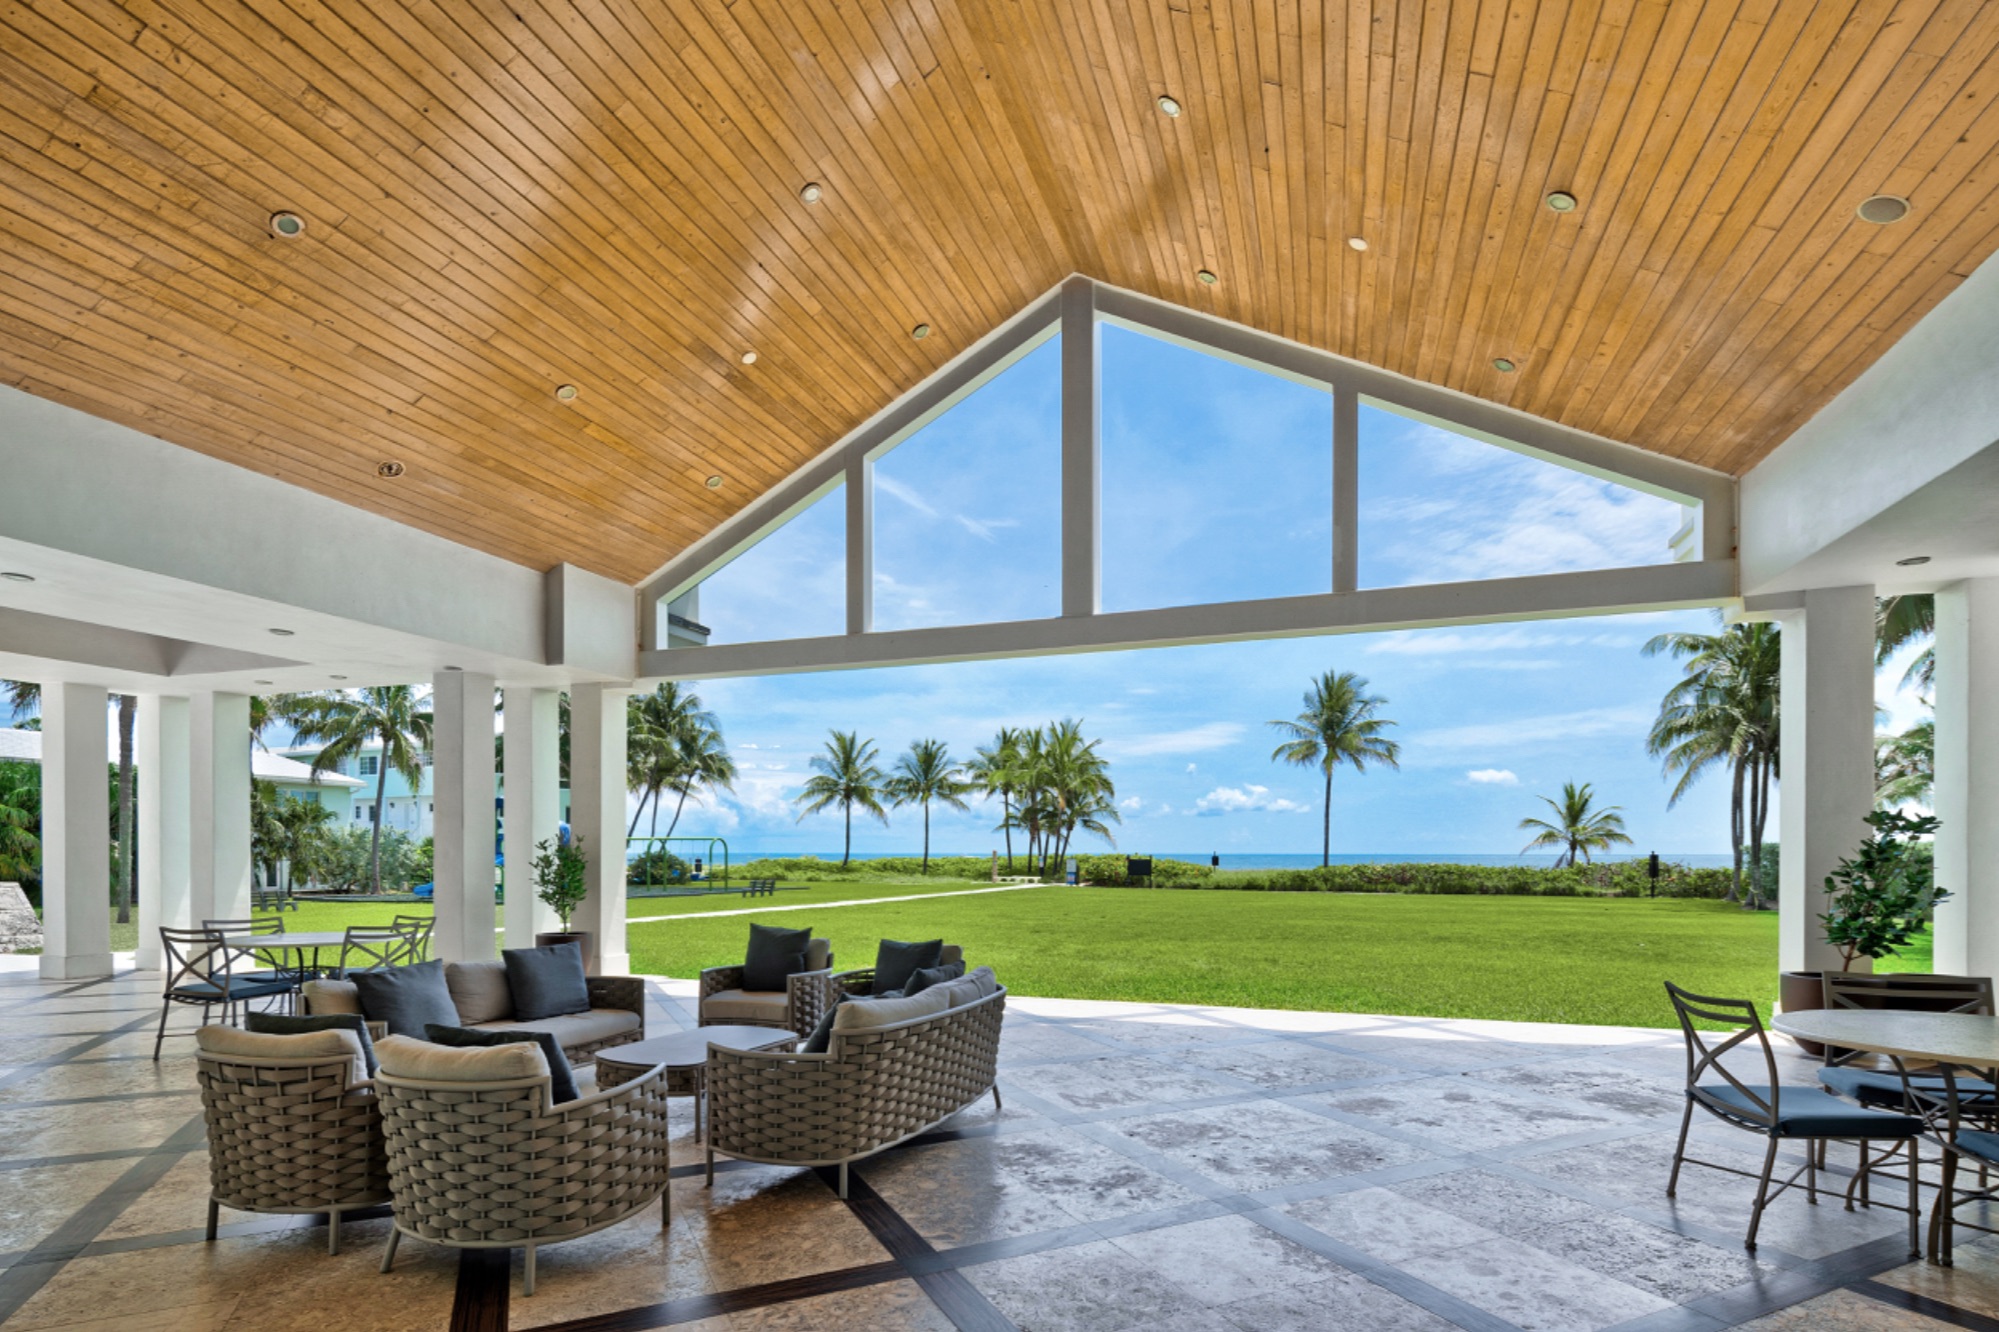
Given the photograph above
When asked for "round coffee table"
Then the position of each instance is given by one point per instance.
(685, 1054)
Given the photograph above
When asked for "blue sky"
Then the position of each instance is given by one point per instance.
(1217, 483)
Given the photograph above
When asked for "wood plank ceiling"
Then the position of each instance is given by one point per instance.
(503, 196)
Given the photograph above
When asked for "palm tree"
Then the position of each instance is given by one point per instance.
(22, 695)
(1577, 829)
(924, 774)
(674, 744)
(1072, 788)
(1905, 766)
(703, 762)
(1900, 621)
(1339, 725)
(20, 821)
(349, 721)
(996, 771)
(1724, 712)
(847, 776)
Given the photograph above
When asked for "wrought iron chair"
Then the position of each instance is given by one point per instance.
(203, 969)
(375, 948)
(419, 927)
(1945, 1110)
(1781, 1114)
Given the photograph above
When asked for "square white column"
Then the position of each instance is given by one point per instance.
(1967, 777)
(597, 815)
(218, 806)
(76, 833)
(534, 803)
(462, 743)
(161, 750)
(1828, 776)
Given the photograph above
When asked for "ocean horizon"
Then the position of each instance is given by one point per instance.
(1273, 860)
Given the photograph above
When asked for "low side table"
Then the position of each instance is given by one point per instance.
(685, 1054)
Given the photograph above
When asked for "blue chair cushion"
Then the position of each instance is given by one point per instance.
(1807, 1112)
(1870, 1087)
(238, 988)
(1978, 1145)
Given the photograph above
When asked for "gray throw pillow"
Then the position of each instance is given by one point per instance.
(561, 1081)
(822, 1035)
(406, 997)
(284, 1024)
(773, 955)
(896, 962)
(926, 977)
(546, 982)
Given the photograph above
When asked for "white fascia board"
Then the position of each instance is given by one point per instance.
(1928, 405)
(102, 491)
(1547, 596)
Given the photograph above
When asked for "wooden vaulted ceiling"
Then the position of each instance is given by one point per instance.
(502, 196)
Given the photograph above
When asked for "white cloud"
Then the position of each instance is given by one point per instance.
(1131, 804)
(1193, 767)
(1492, 777)
(1246, 798)
(1529, 732)
(983, 528)
(897, 490)
(1192, 740)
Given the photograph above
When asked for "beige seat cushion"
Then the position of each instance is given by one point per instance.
(868, 1014)
(726, 1006)
(818, 955)
(306, 1045)
(420, 1061)
(480, 991)
(331, 996)
(573, 1029)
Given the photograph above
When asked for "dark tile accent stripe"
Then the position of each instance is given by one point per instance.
(485, 1281)
(962, 1303)
(18, 1284)
(694, 1308)
(85, 1043)
(1884, 1293)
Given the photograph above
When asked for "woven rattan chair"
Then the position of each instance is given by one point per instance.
(203, 970)
(872, 1090)
(493, 1165)
(807, 994)
(291, 1134)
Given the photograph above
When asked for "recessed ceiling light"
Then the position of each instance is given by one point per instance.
(388, 471)
(1169, 106)
(714, 483)
(454, 668)
(1883, 209)
(749, 358)
(263, 682)
(1913, 560)
(18, 577)
(1207, 277)
(565, 393)
(336, 677)
(1561, 201)
(1503, 365)
(283, 633)
(812, 192)
(1357, 242)
(920, 332)
(287, 226)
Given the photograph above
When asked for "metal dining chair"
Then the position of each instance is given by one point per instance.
(1945, 1111)
(263, 966)
(203, 969)
(1779, 1113)
(375, 948)
(419, 927)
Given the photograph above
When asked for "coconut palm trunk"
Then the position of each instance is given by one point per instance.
(1735, 828)
(1326, 823)
(1759, 812)
(847, 847)
(375, 842)
(1006, 825)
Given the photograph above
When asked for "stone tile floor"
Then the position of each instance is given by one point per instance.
(1155, 1167)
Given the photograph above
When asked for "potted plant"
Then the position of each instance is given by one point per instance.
(558, 883)
(1880, 900)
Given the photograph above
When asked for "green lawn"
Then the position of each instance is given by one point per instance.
(1536, 959)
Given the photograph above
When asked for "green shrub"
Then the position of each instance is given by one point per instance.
(1618, 879)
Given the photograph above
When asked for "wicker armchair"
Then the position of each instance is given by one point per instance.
(807, 994)
(860, 983)
(290, 1133)
(492, 1165)
(870, 1091)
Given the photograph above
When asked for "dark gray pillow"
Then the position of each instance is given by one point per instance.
(925, 977)
(546, 982)
(773, 955)
(284, 1024)
(822, 1035)
(561, 1082)
(406, 997)
(896, 962)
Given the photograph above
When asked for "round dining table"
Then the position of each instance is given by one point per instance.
(1969, 1040)
(300, 942)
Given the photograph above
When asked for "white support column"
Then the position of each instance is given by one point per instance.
(76, 834)
(534, 803)
(597, 815)
(462, 823)
(1967, 777)
(218, 807)
(1082, 456)
(161, 751)
(1828, 747)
